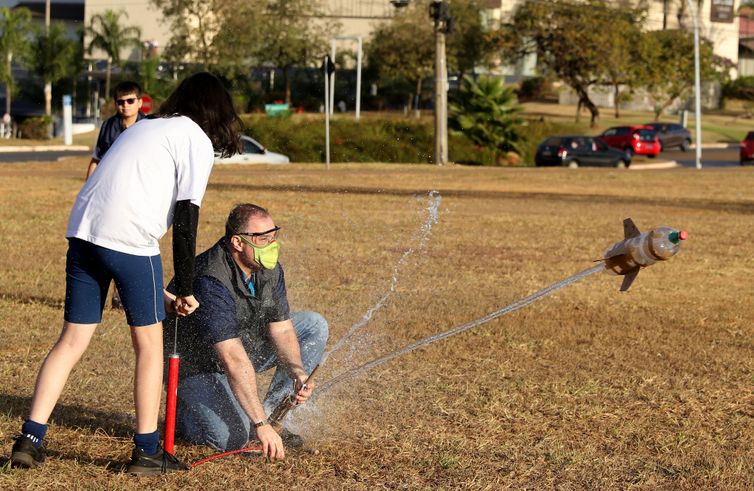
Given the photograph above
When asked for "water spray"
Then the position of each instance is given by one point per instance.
(458, 329)
(288, 403)
(425, 230)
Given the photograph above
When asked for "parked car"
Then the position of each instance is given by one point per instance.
(576, 151)
(746, 154)
(672, 135)
(640, 140)
(253, 153)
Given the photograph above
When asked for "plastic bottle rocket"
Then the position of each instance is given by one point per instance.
(639, 250)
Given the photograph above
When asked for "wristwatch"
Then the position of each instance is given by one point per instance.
(265, 421)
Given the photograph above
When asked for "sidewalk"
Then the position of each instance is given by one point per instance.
(654, 165)
(44, 148)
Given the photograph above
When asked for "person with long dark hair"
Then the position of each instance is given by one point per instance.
(152, 177)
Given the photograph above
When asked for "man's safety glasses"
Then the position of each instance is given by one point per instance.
(262, 239)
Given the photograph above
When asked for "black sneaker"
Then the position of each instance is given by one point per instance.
(25, 454)
(161, 462)
(291, 440)
(116, 303)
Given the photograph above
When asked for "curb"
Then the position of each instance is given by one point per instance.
(715, 145)
(45, 148)
(668, 164)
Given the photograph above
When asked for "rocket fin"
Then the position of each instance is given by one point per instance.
(629, 229)
(628, 279)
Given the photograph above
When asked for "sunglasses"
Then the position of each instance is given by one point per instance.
(123, 102)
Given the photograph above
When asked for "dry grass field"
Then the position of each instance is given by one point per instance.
(586, 389)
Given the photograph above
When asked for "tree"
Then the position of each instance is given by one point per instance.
(668, 61)
(194, 26)
(54, 56)
(571, 39)
(15, 30)
(468, 44)
(485, 112)
(405, 47)
(288, 37)
(620, 65)
(109, 35)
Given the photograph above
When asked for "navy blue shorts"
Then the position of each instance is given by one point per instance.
(90, 268)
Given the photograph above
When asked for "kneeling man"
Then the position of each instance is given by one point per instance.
(243, 326)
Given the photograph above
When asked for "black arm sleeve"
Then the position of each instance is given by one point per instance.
(185, 223)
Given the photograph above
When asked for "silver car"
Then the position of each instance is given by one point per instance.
(253, 153)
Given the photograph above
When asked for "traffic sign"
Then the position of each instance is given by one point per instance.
(146, 104)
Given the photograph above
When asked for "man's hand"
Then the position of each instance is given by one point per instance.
(272, 444)
(302, 389)
(185, 305)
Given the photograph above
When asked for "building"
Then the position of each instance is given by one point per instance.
(718, 22)
(356, 17)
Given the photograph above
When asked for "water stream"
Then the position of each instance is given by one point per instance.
(425, 231)
(457, 330)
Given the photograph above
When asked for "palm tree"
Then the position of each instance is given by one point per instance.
(16, 28)
(486, 113)
(54, 56)
(110, 36)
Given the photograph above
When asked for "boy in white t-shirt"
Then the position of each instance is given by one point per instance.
(152, 177)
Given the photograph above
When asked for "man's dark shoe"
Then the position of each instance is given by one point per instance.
(291, 440)
(25, 454)
(159, 463)
(116, 303)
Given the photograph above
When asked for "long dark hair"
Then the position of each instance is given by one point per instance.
(203, 98)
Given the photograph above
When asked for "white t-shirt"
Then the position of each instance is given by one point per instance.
(127, 204)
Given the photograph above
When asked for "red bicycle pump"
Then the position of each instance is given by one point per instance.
(171, 401)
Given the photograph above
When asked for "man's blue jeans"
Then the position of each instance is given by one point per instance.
(209, 414)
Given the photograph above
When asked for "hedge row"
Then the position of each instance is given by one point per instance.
(373, 139)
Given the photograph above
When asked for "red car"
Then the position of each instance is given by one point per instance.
(747, 149)
(641, 140)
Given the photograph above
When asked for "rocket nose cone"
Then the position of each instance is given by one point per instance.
(683, 235)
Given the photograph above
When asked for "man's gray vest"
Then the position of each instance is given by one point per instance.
(253, 313)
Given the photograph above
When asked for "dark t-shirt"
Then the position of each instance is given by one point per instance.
(216, 318)
(109, 132)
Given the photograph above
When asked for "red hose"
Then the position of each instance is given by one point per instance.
(252, 449)
(171, 400)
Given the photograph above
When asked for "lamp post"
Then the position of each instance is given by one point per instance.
(48, 85)
(697, 86)
(359, 56)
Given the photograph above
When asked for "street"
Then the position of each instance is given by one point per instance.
(711, 157)
(18, 157)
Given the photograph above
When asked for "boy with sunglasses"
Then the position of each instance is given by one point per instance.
(128, 111)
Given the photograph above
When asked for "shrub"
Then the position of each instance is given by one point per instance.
(535, 89)
(740, 88)
(486, 112)
(389, 139)
(37, 128)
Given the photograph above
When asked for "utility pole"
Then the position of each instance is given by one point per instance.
(439, 12)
